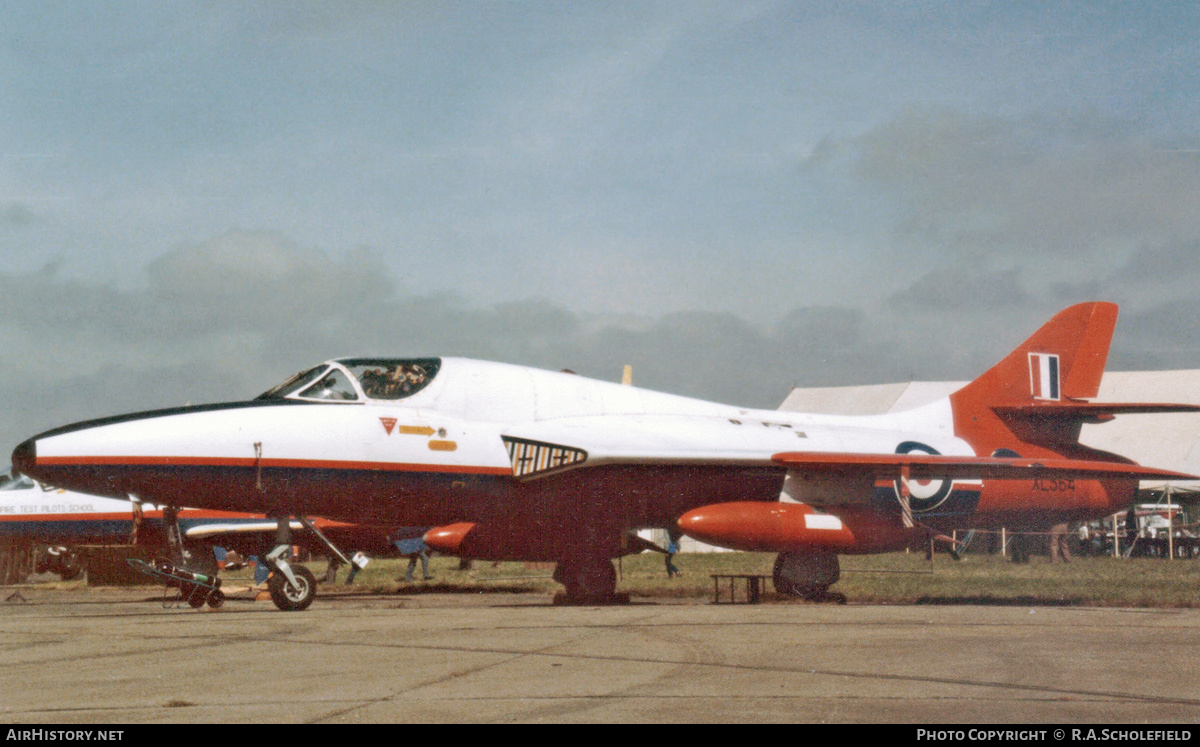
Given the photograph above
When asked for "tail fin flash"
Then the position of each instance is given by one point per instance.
(1032, 397)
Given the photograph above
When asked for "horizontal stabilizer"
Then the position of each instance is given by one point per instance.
(1086, 412)
(940, 466)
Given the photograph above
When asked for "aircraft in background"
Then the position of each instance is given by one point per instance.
(515, 463)
(63, 520)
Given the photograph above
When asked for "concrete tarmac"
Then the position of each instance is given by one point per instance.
(117, 656)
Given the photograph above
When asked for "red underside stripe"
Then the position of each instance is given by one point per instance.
(187, 514)
(178, 461)
(66, 517)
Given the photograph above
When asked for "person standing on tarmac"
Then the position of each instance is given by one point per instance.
(672, 551)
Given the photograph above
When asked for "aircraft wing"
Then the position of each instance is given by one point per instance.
(224, 529)
(246, 534)
(551, 448)
(942, 467)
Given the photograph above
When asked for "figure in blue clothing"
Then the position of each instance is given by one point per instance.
(672, 551)
(414, 549)
(261, 571)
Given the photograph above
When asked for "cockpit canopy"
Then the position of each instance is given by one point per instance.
(358, 379)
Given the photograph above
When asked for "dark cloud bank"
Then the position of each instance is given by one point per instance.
(230, 318)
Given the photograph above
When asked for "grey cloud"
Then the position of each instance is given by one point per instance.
(699, 354)
(1162, 261)
(1014, 219)
(832, 346)
(1164, 336)
(44, 307)
(246, 280)
(821, 329)
(1151, 274)
(1068, 187)
(16, 215)
(949, 289)
(227, 319)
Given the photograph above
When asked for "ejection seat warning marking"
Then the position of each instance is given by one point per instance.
(389, 424)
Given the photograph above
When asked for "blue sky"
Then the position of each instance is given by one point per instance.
(204, 197)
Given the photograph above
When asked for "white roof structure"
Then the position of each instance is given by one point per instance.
(1169, 441)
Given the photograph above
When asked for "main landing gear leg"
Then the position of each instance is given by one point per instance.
(590, 579)
(358, 561)
(291, 588)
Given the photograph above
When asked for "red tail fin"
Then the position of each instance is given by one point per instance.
(1060, 364)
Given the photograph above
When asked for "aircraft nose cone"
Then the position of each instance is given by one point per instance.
(716, 524)
(449, 539)
(24, 457)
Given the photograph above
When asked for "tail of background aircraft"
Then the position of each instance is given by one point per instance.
(1032, 402)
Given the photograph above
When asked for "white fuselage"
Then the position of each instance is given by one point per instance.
(479, 440)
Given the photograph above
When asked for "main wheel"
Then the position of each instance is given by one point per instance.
(808, 573)
(216, 598)
(289, 598)
(588, 579)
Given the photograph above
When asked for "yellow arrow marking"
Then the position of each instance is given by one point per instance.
(415, 430)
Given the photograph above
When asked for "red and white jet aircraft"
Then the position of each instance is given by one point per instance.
(514, 463)
(63, 520)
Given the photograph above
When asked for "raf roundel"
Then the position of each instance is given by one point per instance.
(924, 495)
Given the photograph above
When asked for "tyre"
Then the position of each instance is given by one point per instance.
(292, 599)
(588, 579)
(807, 573)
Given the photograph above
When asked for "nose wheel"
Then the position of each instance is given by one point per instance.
(293, 588)
(292, 594)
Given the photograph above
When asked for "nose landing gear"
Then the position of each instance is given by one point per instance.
(291, 588)
(295, 593)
